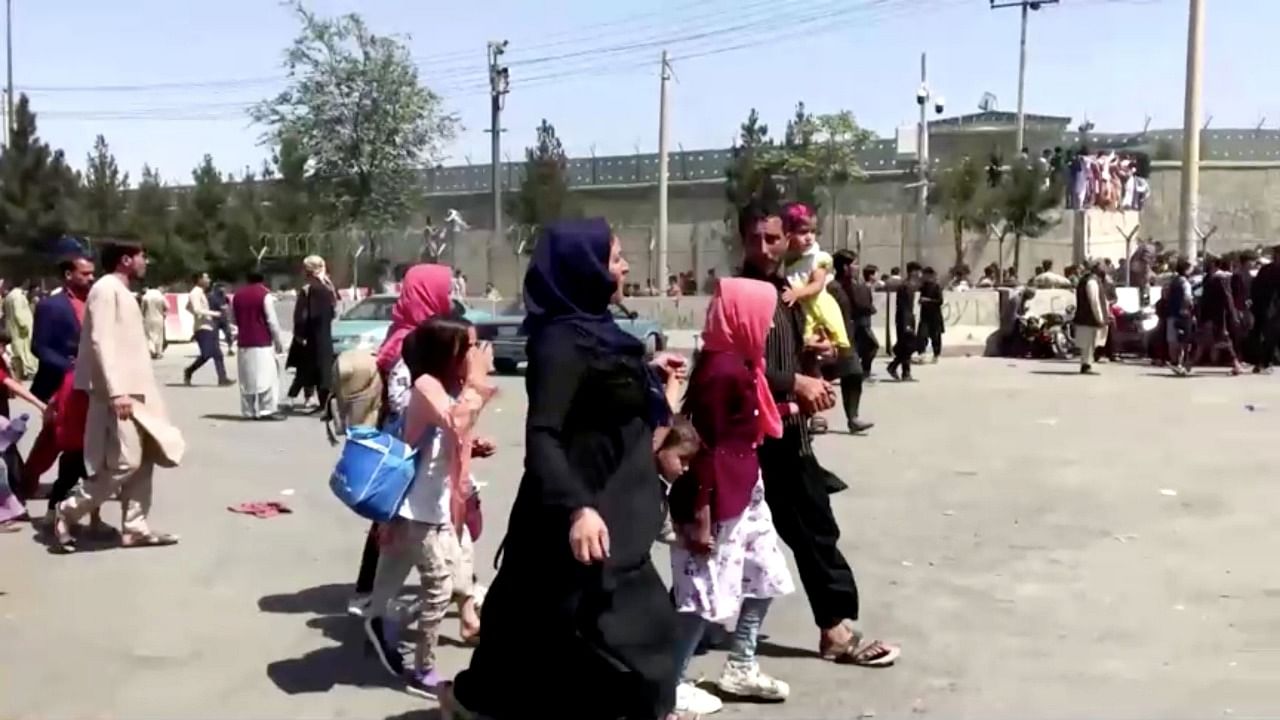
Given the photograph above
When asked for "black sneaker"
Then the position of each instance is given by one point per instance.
(857, 427)
(387, 650)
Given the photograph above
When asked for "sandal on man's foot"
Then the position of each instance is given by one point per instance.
(133, 540)
(863, 653)
(63, 541)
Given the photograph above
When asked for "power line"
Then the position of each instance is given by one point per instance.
(620, 59)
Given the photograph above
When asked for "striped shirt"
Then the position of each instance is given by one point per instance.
(782, 348)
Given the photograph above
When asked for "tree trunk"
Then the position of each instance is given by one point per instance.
(1017, 255)
(958, 230)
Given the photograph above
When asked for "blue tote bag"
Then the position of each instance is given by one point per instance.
(374, 473)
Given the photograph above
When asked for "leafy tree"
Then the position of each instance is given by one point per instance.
(150, 219)
(750, 173)
(820, 151)
(244, 220)
(544, 191)
(289, 192)
(200, 220)
(36, 188)
(356, 106)
(1025, 200)
(103, 199)
(957, 192)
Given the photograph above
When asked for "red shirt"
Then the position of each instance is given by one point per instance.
(721, 404)
(77, 306)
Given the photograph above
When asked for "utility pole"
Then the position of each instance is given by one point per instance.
(499, 82)
(1027, 6)
(923, 97)
(662, 169)
(922, 151)
(1190, 208)
(8, 44)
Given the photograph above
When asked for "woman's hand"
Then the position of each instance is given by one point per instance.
(670, 365)
(482, 447)
(588, 536)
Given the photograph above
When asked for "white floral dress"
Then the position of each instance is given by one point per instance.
(746, 561)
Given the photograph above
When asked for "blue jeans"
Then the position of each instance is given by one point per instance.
(746, 636)
(207, 341)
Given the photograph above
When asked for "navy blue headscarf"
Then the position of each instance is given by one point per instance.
(568, 282)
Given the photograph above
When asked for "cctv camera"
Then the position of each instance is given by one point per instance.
(939, 105)
(922, 95)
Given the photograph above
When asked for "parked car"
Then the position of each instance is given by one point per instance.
(365, 324)
(506, 333)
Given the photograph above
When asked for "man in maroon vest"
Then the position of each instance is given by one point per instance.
(254, 309)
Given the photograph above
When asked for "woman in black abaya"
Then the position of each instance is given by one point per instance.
(577, 623)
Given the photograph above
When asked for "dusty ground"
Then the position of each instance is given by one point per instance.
(1006, 521)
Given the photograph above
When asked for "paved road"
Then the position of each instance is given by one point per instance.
(1006, 521)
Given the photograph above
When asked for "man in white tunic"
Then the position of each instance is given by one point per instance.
(127, 431)
(154, 309)
(258, 335)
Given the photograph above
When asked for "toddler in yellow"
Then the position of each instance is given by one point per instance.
(808, 270)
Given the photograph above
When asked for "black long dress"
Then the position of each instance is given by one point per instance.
(311, 352)
(562, 639)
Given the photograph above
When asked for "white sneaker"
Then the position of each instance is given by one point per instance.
(746, 681)
(692, 699)
(358, 605)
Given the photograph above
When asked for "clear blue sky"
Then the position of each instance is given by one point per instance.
(1115, 60)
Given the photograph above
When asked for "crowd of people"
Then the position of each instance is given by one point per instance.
(615, 441)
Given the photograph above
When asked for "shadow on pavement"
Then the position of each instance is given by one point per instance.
(774, 650)
(342, 664)
(328, 599)
(1057, 372)
(431, 714)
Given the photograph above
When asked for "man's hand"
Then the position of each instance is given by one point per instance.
(588, 536)
(122, 406)
(814, 395)
(789, 297)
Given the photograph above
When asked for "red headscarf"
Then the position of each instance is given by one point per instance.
(424, 294)
(738, 319)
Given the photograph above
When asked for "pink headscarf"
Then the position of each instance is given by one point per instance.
(424, 294)
(738, 319)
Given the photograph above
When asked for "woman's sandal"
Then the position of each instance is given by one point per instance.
(133, 540)
(60, 530)
(863, 653)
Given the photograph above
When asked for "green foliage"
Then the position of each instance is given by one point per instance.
(289, 191)
(544, 192)
(1024, 202)
(36, 189)
(200, 220)
(103, 195)
(750, 174)
(820, 151)
(958, 192)
(356, 107)
(817, 151)
(150, 220)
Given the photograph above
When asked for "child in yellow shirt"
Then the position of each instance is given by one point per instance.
(808, 270)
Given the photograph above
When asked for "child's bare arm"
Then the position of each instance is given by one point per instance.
(817, 283)
(20, 391)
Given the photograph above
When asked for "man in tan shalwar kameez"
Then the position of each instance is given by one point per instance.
(127, 432)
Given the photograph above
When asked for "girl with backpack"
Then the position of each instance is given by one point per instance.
(449, 372)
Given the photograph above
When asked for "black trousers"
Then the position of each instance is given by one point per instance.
(795, 487)
(368, 562)
(902, 351)
(930, 332)
(1263, 337)
(207, 341)
(848, 367)
(70, 471)
(867, 346)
